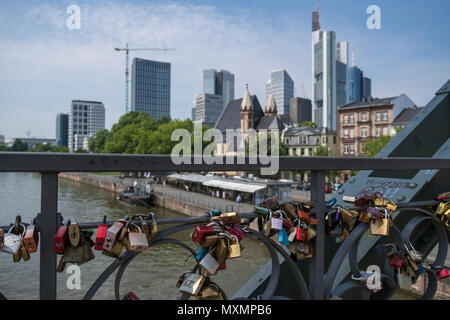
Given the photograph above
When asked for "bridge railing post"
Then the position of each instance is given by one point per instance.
(317, 265)
(47, 225)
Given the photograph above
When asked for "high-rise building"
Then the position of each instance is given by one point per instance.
(219, 83)
(86, 118)
(366, 87)
(315, 21)
(2, 139)
(193, 116)
(150, 87)
(329, 76)
(62, 129)
(208, 108)
(355, 82)
(359, 87)
(324, 78)
(300, 110)
(281, 86)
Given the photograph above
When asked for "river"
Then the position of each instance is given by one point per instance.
(151, 275)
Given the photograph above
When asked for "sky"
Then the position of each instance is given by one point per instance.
(44, 65)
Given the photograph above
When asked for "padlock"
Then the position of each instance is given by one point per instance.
(300, 234)
(112, 234)
(283, 237)
(337, 230)
(237, 231)
(201, 253)
(17, 256)
(61, 265)
(403, 280)
(288, 225)
(234, 248)
(277, 220)
(130, 296)
(12, 242)
(101, 235)
(374, 213)
(363, 217)
(60, 240)
(74, 233)
(222, 248)
(115, 251)
(192, 284)
(210, 292)
(445, 196)
(137, 240)
(24, 252)
(268, 225)
(210, 241)
(310, 233)
(442, 273)
(88, 254)
(73, 254)
(201, 232)
(349, 199)
(230, 217)
(363, 280)
(222, 266)
(182, 277)
(380, 227)
(154, 228)
(31, 238)
(396, 262)
(345, 234)
(413, 254)
(209, 263)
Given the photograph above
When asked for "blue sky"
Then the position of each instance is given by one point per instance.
(44, 65)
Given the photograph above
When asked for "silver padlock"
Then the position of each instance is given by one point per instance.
(192, 284)
(209, 263)
(403, 280)
(12, 242)
(277, 223)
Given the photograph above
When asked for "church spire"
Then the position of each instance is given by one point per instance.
(247, 113)
(271, 106)
(247, 103)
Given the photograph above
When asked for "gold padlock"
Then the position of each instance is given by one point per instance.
(310, 233)
(235, 248)
(221, 250)
(210, 292)
(24, 252)
(74, 233)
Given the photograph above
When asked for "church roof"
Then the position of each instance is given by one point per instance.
(270, 122)
(231, 115)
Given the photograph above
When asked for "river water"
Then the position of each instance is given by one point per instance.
(151, 275)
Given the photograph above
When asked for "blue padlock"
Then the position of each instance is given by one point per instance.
(283, 237)
(421, 270)
(331, 202)
(201, 253)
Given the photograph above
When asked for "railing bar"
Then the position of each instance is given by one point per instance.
(47, 226)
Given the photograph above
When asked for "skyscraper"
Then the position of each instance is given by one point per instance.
(86, 118)
(150, 87)
(281, 86)
(329, 76)
(208, 108)
(359, 87)
(300, 110)
(366, 87)
(219, 83)
(62, 129)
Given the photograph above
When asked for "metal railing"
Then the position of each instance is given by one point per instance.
(50, 164)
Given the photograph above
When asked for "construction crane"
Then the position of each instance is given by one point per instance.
(127, 73)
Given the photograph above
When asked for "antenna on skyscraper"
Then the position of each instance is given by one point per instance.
(318, 9)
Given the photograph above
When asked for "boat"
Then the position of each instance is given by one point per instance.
(136, 196)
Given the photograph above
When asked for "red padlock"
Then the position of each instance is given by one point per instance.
(300, 234)
(236, 230)
(130, 296)
(201, 232)
(101, 235)
(442, 273)
(60, 240)
(396, 262)
(287, 224)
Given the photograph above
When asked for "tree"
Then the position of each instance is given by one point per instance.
(373, 146)
(18, 145)
(46, 147)
(321, 151)
(97, 143)
(308, 124)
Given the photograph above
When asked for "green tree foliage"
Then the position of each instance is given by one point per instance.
(45, 147)
(373, 146)
(321, 151)
(18, 145)
(97, 143)
(308, 124)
